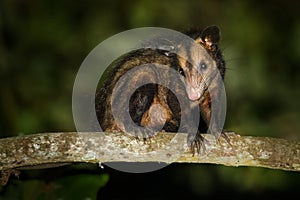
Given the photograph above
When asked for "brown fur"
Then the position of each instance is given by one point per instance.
(154, 105)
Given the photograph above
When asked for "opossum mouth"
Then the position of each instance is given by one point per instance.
(193, 93)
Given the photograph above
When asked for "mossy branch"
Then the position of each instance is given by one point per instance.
(53, 149)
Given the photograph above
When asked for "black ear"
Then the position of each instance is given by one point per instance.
(211, 35)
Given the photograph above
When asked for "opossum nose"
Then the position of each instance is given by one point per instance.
(193, 94)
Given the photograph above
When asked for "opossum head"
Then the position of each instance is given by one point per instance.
(200, 65)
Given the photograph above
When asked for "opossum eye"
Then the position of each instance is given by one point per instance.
(203, 66)
(181, 72)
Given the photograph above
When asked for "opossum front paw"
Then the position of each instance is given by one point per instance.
(225, 136)
(196, 142)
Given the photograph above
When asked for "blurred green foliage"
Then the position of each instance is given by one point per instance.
(84, 186)
(43, 43)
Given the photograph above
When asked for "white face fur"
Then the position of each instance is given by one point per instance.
(198, 72)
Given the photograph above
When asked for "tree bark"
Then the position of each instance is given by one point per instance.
(54, 149)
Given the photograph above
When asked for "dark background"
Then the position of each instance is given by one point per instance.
(42, 45)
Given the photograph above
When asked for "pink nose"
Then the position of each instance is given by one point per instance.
(193, 94)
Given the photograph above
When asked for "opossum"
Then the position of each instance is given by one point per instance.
(153, 106)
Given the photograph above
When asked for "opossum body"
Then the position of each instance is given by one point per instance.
(121, 106)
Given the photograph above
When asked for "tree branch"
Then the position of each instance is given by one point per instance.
(54, 149)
